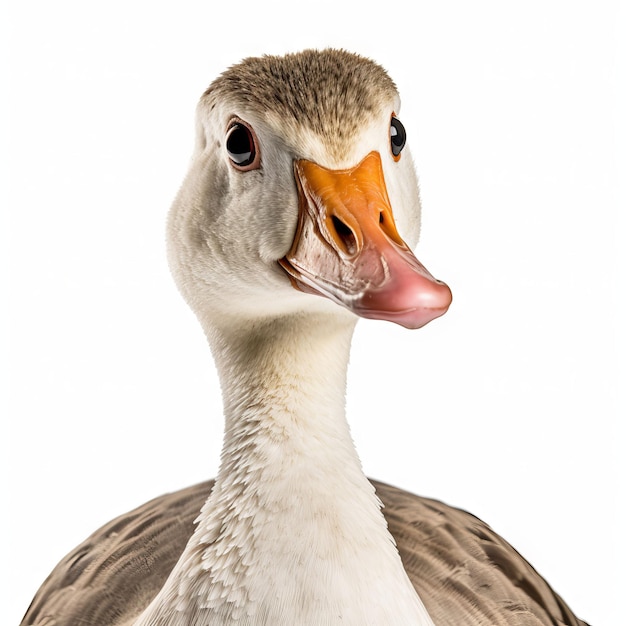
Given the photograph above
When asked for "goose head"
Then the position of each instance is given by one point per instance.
(299, 186)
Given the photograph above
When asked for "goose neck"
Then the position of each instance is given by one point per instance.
(288, 374)
(292, 532)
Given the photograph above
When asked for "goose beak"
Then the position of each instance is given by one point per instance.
(347, 248)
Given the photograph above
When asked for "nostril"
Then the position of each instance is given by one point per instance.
(345, 236)
(387, 225)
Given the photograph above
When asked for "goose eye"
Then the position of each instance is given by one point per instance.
(397, 136)
(242, 147)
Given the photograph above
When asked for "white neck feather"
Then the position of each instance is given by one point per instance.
(292, 533)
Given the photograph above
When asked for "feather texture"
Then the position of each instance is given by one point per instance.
(464, 572)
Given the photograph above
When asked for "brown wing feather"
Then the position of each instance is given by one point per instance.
(114, 574)
(463, 571)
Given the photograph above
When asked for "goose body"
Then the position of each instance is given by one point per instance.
(285, 230)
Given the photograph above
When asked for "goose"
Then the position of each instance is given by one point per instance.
(285, 231)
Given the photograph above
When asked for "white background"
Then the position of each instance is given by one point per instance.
(506, 407)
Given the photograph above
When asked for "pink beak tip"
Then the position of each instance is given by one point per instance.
(409, 305)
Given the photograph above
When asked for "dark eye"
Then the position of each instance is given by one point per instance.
(397, 136)
(242, 147)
